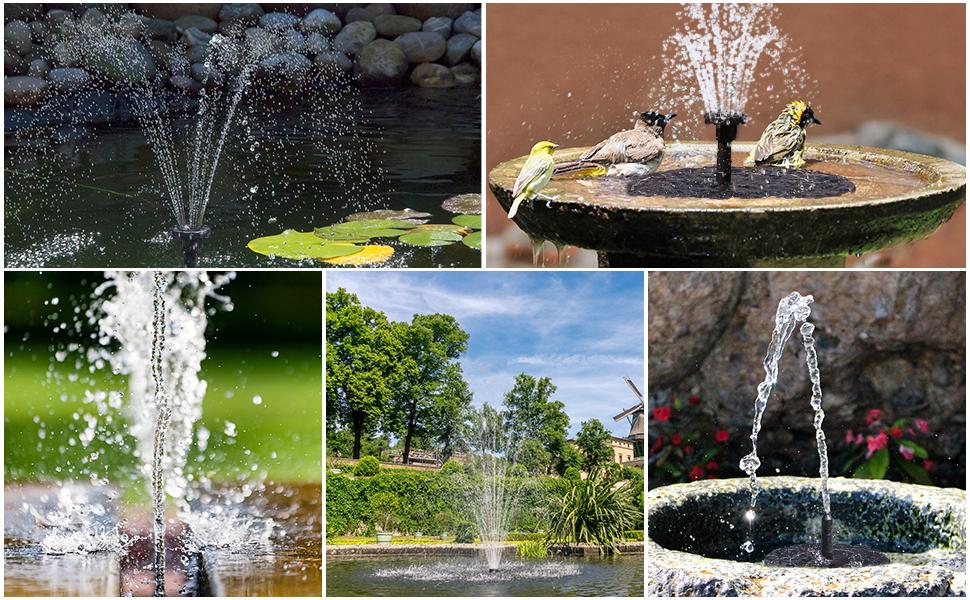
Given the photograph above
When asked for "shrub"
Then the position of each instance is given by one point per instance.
(367, 467)
(594, 512)
(635, 535)
(518, 470)
(572, 474)
(613, 472)
(384, 507)
(521, 536)
(452, 467)
(686, 444)
(465, 533)
(533, 549)
(569, 456)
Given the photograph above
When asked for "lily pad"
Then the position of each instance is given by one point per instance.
(363, 230)
(407, 214)
(473, 240)
(370, 255)
(430, 237)
(464, 204)
(299, 245)
(447, 227)
(469, 221)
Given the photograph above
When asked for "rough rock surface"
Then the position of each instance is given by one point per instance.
(353, 37)
(889, 340)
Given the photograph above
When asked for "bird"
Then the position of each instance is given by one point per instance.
(783, 142)
(534, 176)
(636, 151)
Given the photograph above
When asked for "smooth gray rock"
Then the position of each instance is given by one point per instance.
(159, 29)
(425, 11)
(38, 68)
(38, 31)
(439, 25)
(23, 91)
(185, 84)
(476, 52)
(63, 55)
(203, 24)
(333, 61)
(354, 36)
(131, 63)
(68, 80)
(195, 37)
(391, 26)
(293, 41)
(288, 67)
(206, 75)
(13, 64)
(320, 21)
(18, 37)
(422, 46)
(248, 14)
(432, 75)
(358, 13)
(459, 47)
(131, 25)
(466, 74)
(469, 23)
(95, 17)
(278, 20)
(316, 43)
(196, 54)
(382, 63)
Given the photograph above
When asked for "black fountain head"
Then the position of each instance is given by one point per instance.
(726, 126)
(826, 554)
(191, 241)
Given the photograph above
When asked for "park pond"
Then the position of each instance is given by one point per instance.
(87, 196)
(438, 576)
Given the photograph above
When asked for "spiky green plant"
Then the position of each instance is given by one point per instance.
(533, 549)
(594, 511)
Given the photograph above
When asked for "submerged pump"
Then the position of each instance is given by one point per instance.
(726, 126)
(191, 242)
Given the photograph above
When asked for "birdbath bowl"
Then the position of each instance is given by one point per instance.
(696, 530)
(847, 200)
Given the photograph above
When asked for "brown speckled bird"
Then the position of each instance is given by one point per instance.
(636, 151)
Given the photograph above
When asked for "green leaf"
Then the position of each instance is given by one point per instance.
(900, 422)
(879, 463)
(407, 214)
(363, 230)
(863, 471)
(473, 240)
(469, 221)
(918, 450)
(298, 245)
(464, 204)
(915, 472)
(430, 238)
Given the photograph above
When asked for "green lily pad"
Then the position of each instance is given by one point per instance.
(430, 237)
(464, 204)
(407, 215)
(446, 227)
(469, 221)
(473, 240)
(363, 230)
(299, 245)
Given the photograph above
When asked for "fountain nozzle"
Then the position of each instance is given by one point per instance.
(726, 126)
(827, 537)
(191, 240)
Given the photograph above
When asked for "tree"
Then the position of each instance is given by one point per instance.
(569, 457)
(593, 441)
(362, 366)
(430, 347)
(534, 457)
(532, 414)
(448, 413)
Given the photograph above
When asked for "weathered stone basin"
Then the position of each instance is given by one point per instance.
(897, 197)
(695, 531)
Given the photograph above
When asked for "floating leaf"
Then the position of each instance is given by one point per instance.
(469, 221)
(473, 240)
(299, 245)
(430, 237)
(407, 214)
(370, 255)
(464, 204)
(363, 230)
(447, 227)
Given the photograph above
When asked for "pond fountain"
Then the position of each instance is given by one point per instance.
(703, 537)
(847, 200)
(149, 328)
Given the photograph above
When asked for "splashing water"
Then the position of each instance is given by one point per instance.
(793, 309)
(161, 424)
(494, 494)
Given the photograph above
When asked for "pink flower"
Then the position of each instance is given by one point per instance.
(858, 440)
(873, 415)
(876, 442)
(721, 436)
(661, 413)
(849, 437)
(922, 425)
(907, 453)
(696, 473)
(896, 432)
(675, 439)
(928, 464)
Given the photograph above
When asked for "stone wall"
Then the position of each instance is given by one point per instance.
(889, 340)
(382, 45)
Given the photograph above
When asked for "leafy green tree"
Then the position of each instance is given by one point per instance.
(593, 441)
(534, 457)
(430, 348)
(569, 457)
(363, 366)
(448, 413)
(532, 414)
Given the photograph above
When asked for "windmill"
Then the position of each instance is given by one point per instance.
(634, 415)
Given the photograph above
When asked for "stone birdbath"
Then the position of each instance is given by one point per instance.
(696, 530)
(847, 200)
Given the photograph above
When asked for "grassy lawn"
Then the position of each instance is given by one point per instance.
(282, 434)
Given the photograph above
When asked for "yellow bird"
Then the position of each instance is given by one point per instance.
(534, 176)
(783, 141)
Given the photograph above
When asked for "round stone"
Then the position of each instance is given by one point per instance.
(278, 20)
(469, 22)
(352, 39)
(391, 26)
(321, 21)
(459, 47)
(68, 80)
(382, 63)
(23, 91)
(439, 25)
(18, 36)
(333, 61)
(422, 46)
(203, 24)
(432, 75)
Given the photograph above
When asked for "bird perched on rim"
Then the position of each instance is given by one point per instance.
(783, 141)
(636, 151)
(534, 176)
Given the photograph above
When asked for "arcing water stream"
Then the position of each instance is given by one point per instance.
(792, 309)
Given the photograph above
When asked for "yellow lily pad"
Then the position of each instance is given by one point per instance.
(370, 255)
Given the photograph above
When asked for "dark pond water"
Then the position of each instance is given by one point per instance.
(94, 197)
(440, 576)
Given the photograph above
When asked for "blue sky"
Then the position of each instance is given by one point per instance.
(584, 330)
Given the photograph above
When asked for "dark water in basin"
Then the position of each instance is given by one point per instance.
(440, 576)
(98, 202)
